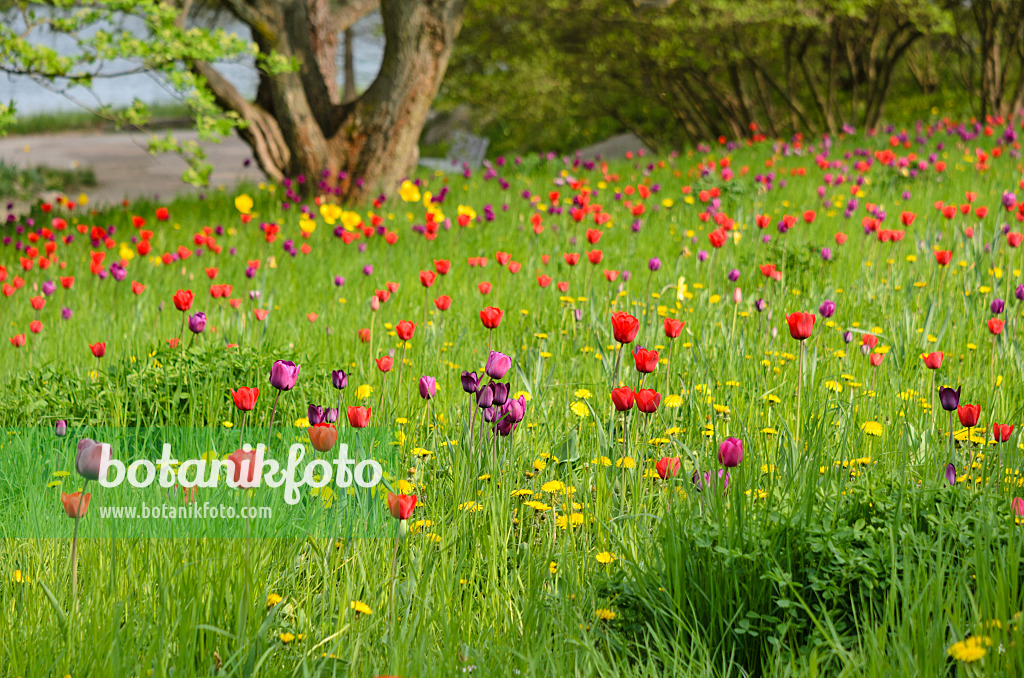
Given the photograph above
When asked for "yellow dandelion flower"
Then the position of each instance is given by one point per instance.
(606, 557)
(360, 607)
(605, 614)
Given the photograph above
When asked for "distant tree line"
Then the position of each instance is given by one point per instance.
(550, 72)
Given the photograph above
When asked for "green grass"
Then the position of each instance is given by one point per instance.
(80, 120)
(27, 183)
(832, 551)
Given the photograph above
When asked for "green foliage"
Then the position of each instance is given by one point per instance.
(27, 183)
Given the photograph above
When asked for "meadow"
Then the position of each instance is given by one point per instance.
(727, 427)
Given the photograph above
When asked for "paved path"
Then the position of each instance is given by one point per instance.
(123, 166)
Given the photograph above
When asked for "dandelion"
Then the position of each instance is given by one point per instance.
(871, 428)
(580, 409)
(606, 557)
(605, 614)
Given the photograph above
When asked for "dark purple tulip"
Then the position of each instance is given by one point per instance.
(827, 309)
(515, 409)
(1019, 293)
(505, 427)
(734, 275)
(284, 374)
(702, 255)
(330, 415)
(949, 398)
(315, 414)
(339, 280)
(60, 428)
(997, 306)
(500, 393)
(339, 379)
(197, 322)
(485, 396)
(847, 337)
(760, 305)
(470, 382)
(368, 269)
(951, 474)
(428, 387)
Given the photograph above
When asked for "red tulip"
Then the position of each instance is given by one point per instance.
(1014, 239)
(442, 266)
(968, 414)
(624, 327)
(359, 416)
(667, 467)
(571, 258)
(995, 325)
(491, 317)
(401, 505)
(364, 335)
(35, 327)
(543, 280)
(405, 330)
(646, 360)
(502, 257)
(37, 303)
(718, 237)
(840, 238)
(595, 256)
(1001, 432)
(385, 363)
(673, 327)
(138, 288)
(484, 287)
(260, 313)
(647, 400)
(427, 278)
(622, 398)
(183, 300)
(443, 302)
(98, 349)
(942, 257)
(244, 462)
(932, 360)
(162, 214)
(74, 505)
(323, 436)
(245, 398)
(18, 340)
(800, 325)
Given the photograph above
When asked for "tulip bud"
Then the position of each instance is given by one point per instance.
(60, 428)
(737, 296)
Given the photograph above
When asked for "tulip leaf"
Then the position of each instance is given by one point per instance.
(62, 617)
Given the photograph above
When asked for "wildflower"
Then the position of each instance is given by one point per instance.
(606, 557)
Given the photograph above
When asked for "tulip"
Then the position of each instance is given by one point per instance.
(443, 302)
(760, 305)
(491, 317)
(470, 382)
(653, 264)
(800, 325)
(245, 398)
(323, 436)
(183, 300)
(932, 361)
(847, 337)
(90, 457)
(624, 327)
(243, 471)
(623, 398)
(499, 393)
(359, 416)
(667, 467)
(997, 306)
(428, 387)
(1002, 432)
(401, 505)
(405, 329)
(197, 322)
(827, 309)
(646, 360)
(968, 415)
(315, 414)
(647, 400)
(876, 359)
(673, 327)
(950, 474)
(1019, 293)
(60, 429)
(1018, 506)
(949, 398)
(943, 257)
(284, 374)
(498, 364)
(485, 396)
(76, 505)
(339, 379)
(98, 349)
(730, 452)
(995, 326)
(385, 363)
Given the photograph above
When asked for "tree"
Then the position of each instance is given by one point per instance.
(299, 122)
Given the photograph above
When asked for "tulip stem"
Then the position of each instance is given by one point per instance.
(273, 411)
(799, 390)
(241, 431)
(74, 545)
(394, 564)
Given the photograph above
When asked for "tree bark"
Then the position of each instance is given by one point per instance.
(301, 125)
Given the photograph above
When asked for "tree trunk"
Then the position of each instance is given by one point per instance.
(301, 126)
(350, 69)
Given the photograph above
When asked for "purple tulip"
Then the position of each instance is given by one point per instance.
(826, 253)
(734, 275)
(730, 452)
(485, 396)
(90, 456)
(339, 280)
(500, 393)
(197, 322)
(284, 374)
(997, 306)
(368, 269)
(847, 337)
(339, 379)
(654, 264)
(49, 287)
(949, 398)
(470, 382)
(760, 305)
(951, 474)
(66, 313)
(428, 387)
(827, 308)
(60, 428)
(315, 414)
(497, 365)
